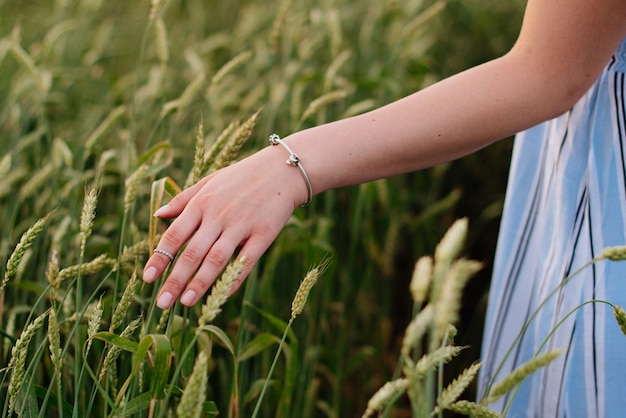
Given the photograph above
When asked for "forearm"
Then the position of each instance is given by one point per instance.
(447, 120)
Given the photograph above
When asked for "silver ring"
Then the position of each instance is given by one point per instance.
(165, 253)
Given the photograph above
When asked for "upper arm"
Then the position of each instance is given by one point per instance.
(569, 42)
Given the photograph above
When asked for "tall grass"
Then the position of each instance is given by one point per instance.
(106, 107)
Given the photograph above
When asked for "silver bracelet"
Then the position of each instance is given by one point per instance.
(294, 161)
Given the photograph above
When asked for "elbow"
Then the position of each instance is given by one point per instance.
(569, 92)
(558, 84)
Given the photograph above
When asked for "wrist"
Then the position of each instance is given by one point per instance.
(294, 161)
(284, 180)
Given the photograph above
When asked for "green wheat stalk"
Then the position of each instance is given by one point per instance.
(297, 306)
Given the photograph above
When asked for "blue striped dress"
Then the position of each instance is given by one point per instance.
(566, 202)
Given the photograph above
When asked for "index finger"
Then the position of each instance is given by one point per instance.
(176, 235)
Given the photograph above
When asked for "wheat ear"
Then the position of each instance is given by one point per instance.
(620, 317)
(193, 397)
(297, 305)
(220, 292)
(472, 409)
(519, 374)
(56, 354)
(452, 392)
(232, 147)
(421, 279)
(109, 364)
(613, 253)
(198, 158)
(449, 302)
(90, 267)
(384, 395)
(93, 325)
(26, 241)
(87, 216)
(122, 307)
(416, 329)
(19, 353)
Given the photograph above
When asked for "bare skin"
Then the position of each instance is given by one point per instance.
(561, 50)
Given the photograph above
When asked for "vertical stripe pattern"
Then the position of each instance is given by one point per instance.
(566, 202)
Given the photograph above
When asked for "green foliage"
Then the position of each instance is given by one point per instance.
(108, 96)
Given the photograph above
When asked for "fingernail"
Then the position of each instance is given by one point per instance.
(188, 298)
(150, 274)
(164, 300)
(161, 210)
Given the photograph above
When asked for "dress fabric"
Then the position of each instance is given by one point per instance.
(566, 202)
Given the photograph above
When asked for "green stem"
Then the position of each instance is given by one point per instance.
(527, 324)
(78, 340)
(168, 392)
(269, 375)
(440, 373)
(545, 341)
(79, 318)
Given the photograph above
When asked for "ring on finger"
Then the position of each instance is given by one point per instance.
(165, 253)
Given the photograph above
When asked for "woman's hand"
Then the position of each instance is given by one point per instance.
(242, 206)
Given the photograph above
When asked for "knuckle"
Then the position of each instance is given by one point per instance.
(249, 262)
(173, 237)
(202, 200)
(265, 233)
(191, 255)
(205, 203)
(216, 258)
(180, 198)
(202, 283)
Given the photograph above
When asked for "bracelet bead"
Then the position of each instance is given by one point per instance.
(294, 161)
